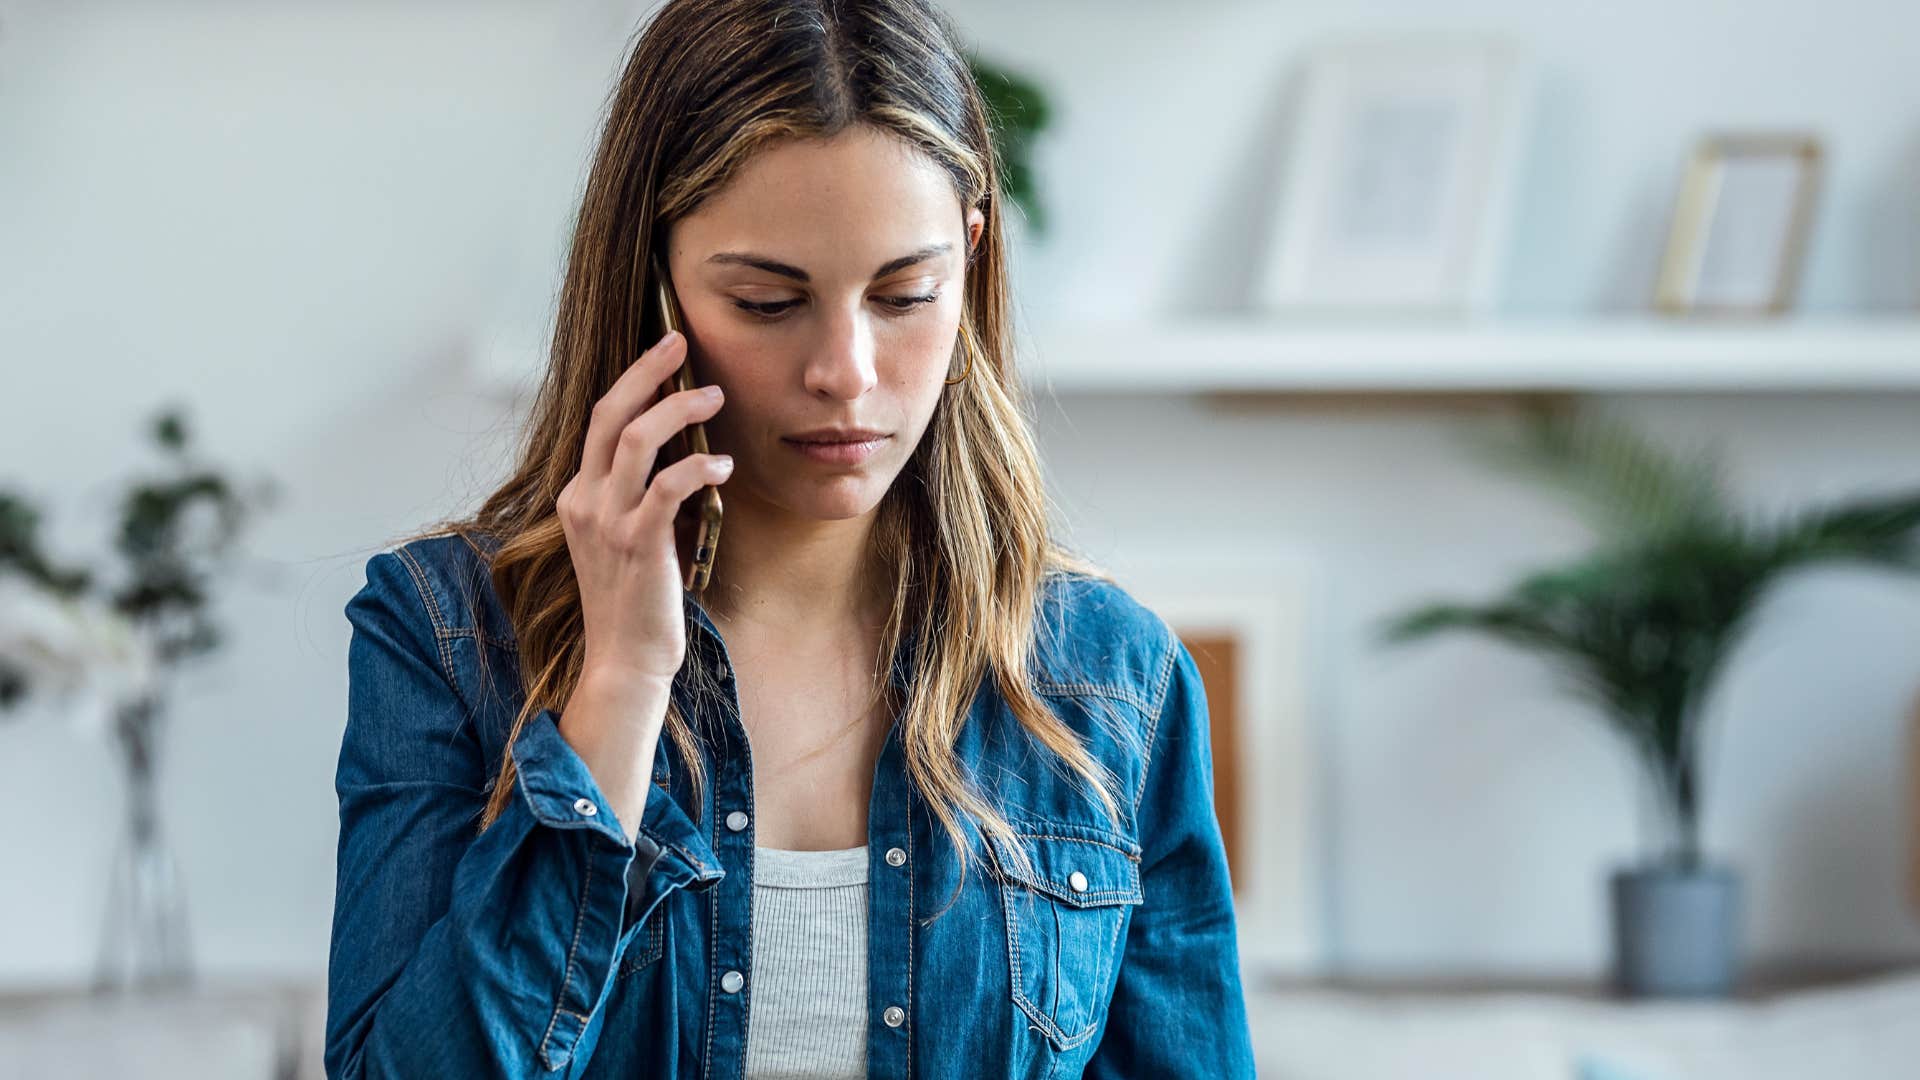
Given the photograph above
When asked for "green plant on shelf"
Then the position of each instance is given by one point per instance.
(1017, 112)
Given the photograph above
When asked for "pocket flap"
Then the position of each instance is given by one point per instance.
(1075, 865)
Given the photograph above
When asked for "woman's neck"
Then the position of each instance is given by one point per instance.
(797, 579)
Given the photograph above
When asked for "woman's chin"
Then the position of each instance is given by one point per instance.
(834, 498)
(841, 506)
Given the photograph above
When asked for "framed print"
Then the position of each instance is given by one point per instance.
(1398, 181)
(1740, 225)
(1245, 619)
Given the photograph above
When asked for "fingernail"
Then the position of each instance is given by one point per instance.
(711, 391)
(725, 462)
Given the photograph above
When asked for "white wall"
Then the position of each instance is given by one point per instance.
(303, 217)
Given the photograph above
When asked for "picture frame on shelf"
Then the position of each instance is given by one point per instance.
(1740, 226)
(1247, 618)
(1398, 184)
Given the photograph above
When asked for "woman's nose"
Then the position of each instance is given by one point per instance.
(842, 365)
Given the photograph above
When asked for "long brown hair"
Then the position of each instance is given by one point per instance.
(963, 531)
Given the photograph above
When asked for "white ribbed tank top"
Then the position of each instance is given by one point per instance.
(807, 1008)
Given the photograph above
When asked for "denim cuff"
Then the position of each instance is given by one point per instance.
(558, 786)
(669, 850)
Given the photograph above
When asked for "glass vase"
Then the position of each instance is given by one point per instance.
(143, 942)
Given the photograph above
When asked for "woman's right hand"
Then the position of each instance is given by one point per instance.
(620, 527)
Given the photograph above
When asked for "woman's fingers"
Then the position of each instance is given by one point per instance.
(671, 488)
(640, 441)
(626, 399)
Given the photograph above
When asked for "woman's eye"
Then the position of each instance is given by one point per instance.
(907, 303)
(764, 309)
(777, 308)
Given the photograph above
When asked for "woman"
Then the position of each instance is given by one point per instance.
(935, 797)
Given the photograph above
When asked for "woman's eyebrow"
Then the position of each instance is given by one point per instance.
(774, 266)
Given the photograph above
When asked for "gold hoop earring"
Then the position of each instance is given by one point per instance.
(966, 343)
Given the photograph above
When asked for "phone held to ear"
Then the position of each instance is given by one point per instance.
(691, 439)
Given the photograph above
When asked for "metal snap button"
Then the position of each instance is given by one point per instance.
(895, 856)
(736, 821)
(1078, 880)
(584, 807)
(732, 981)
(894, 1016)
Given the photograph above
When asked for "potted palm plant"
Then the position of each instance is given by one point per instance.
(1641, 627)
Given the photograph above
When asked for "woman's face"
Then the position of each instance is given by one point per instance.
(822, 289)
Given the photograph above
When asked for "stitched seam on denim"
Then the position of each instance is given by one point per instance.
(420, 584)
(1047, 1024)
(653, 948)
(1027, 1005)
(440, 625)
(713, 961)
(461, 631)
(1080, 840)
(419, 575)
(441, 646)
(1153, 729)
(1033, 880)
(444, 628)
(1068, 1042)
(1036, 880)
(1112, 944)
(520, 783)
(1101, 894)
(1118, 693)
(692, 860)
(1013, 952)
(566, 979)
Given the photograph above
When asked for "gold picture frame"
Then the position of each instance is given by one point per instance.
(1741, 259)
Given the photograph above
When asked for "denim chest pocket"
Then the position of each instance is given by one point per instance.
(1066, 924)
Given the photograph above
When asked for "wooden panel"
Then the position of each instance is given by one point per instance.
(1217, 656)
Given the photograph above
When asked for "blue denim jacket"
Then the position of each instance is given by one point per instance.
(549, 945)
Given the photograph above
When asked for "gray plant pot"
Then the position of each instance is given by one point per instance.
(1676, 932)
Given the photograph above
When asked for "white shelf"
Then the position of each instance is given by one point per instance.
(1623, 354)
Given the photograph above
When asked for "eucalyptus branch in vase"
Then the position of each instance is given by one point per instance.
(104, 655)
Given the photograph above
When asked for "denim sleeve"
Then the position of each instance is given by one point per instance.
(462, 955)
(1178, 1008)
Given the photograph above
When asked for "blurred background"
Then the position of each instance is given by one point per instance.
(280, 273)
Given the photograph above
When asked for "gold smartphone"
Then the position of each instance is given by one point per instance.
(691, 439)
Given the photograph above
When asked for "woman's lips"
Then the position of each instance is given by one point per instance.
(837, 453)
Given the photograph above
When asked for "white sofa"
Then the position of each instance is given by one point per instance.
(1866, 1030)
